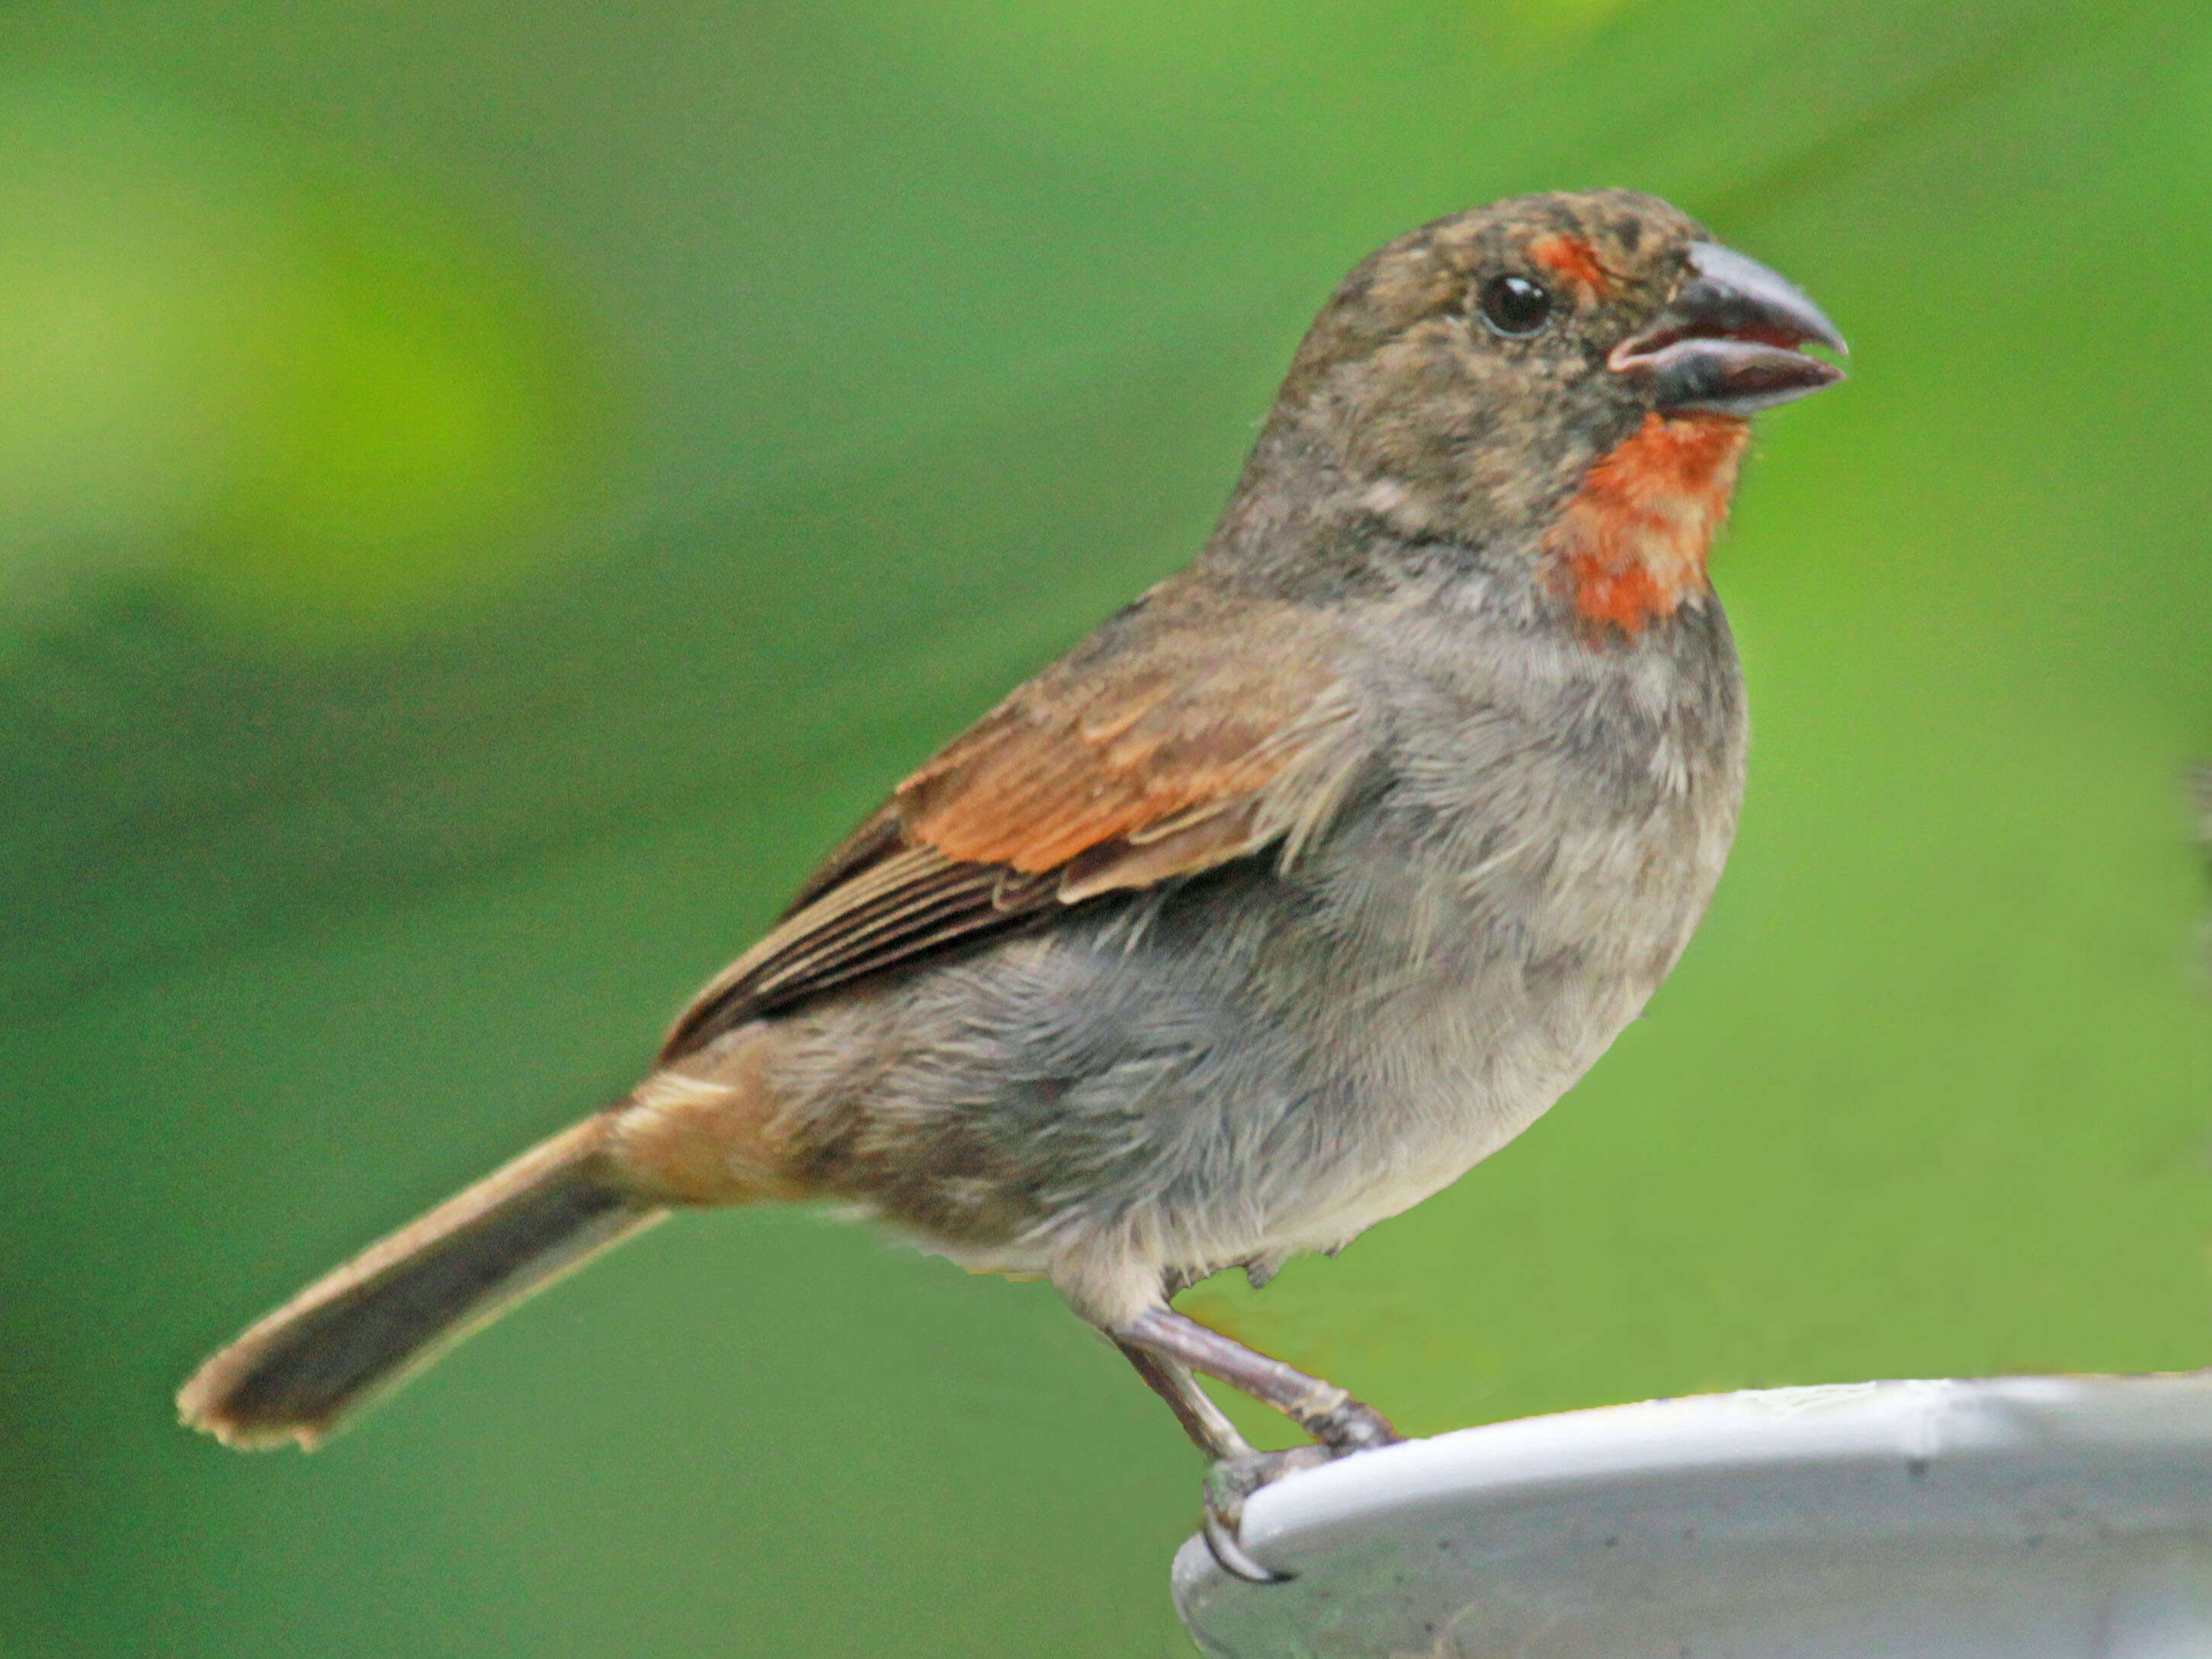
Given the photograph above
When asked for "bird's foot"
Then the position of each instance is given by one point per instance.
(1228, 1484)
(1350, 1427)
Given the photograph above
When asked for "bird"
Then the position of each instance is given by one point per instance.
(1298, 888)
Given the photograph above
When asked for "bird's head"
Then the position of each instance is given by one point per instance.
(1467, 382)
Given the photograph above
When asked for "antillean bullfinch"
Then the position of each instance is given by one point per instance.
(1303, 884)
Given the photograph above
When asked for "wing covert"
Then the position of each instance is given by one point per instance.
(1149, 753)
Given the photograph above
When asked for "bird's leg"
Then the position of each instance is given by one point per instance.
(1206, 1423)
(1324, 1410)
(1179, 1345)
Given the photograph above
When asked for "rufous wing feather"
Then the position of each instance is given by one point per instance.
(1151, 753)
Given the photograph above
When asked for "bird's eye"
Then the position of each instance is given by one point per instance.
(1514, 306)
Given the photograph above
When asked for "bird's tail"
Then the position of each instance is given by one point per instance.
(361, 1330)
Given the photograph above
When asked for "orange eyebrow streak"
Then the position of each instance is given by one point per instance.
(1631, 543)
(1571, 259)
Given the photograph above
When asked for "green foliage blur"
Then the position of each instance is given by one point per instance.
(488, 493)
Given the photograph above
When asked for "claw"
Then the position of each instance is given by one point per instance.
(1230, 1556)
(1228, 1484)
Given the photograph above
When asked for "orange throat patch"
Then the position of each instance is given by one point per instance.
(1630, 545)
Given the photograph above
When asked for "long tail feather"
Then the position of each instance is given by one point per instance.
(357, 1331)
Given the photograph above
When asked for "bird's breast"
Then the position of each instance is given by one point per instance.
(1550, 837)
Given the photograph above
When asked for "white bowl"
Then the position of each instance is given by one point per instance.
(2015, 1518)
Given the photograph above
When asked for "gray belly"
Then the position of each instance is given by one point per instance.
(1252, 1063)
(1257, 1061)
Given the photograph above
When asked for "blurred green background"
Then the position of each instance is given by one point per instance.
(488, 492)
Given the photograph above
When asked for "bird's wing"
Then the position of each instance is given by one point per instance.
(1165, 744)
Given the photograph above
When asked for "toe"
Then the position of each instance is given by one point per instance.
(1354, 1427)
(1230, 1553)
(1228, 1484)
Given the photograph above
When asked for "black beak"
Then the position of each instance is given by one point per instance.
(1727, 345)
